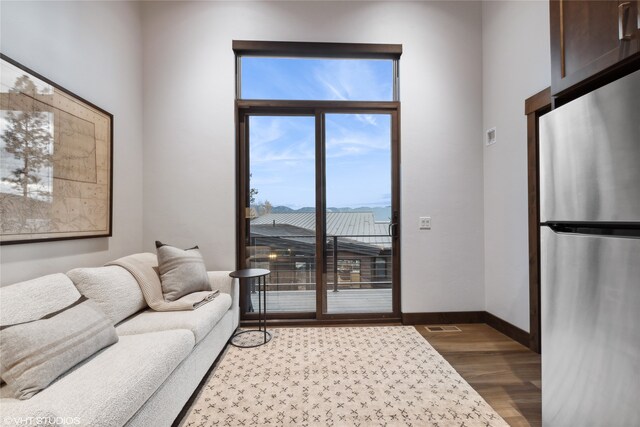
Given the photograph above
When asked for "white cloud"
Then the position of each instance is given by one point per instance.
(281, 139)
(369, 119)
(355, 80)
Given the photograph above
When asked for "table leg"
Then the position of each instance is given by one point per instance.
(264, 287)
(259, 306)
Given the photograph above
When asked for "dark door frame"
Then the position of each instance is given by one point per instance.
(246, 108)
(534, 107)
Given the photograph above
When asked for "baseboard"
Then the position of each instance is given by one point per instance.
(444, 317)
(322, 322)
(434, 318)
(448, 317)
(508, 329)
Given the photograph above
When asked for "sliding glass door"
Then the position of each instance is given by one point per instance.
(317, 132)
(319, 208)
(358, 213)
(281, 212)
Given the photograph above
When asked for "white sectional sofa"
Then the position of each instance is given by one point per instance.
(142, 380)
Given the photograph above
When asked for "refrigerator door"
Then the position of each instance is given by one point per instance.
(590, 330)
(590, 156)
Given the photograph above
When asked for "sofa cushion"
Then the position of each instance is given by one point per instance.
(182, 272)
(108, 389)
(221, 281)
(113, 288)
(32, 299)
(35, 353)
(199, 321)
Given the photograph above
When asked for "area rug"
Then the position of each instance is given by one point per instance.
(368, 376)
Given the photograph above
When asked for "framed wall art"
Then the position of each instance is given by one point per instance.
(56, 161)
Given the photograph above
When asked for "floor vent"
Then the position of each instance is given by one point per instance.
(442, 328)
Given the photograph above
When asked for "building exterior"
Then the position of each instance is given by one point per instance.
(358, 250)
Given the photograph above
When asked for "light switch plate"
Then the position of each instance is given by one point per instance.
(425, 223)
(491, 137)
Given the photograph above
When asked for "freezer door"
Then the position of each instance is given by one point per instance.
(590, 294)
(590, 156)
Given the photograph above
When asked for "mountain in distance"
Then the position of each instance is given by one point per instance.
(381, 214)
(287, 209)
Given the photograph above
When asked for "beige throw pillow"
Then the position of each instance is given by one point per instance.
(34, 353)
(182, 271)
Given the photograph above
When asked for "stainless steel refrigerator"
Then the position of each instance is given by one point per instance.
(590, 258)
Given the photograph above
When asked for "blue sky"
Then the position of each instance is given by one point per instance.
(282, 149)
(317, 79)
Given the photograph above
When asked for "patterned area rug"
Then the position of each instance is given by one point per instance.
(371, 376)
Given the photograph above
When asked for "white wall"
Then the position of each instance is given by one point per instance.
(92, 49)
(515, 44)
(449, 95)
(189, 157)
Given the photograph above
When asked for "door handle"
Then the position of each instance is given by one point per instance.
(624, 10)
(393, 228)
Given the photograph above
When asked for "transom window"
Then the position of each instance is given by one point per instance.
(290, 71)
(320, 79)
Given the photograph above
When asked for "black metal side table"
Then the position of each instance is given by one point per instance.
(261, 275)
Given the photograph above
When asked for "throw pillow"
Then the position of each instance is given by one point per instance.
(182, 271)
(113, 288)
(34, 353)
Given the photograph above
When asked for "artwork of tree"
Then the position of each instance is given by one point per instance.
(28, 139)
(55, 160)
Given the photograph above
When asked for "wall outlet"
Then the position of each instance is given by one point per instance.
(425, 223)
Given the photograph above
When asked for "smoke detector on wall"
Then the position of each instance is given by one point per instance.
(491, 137)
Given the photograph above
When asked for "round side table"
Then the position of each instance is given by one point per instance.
(259, 276)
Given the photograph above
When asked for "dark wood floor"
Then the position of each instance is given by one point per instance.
(505, 373)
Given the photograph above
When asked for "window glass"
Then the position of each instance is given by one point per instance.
(316, 79)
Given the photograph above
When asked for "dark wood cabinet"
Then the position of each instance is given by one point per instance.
(590, 39)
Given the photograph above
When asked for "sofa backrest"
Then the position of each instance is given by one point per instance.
(113, 288)
(33, 299)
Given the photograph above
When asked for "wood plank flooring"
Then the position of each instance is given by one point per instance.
(505, 373)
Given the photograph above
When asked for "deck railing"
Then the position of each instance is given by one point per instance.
(352, 261)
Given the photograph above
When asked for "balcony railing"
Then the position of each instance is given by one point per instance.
(353, 262)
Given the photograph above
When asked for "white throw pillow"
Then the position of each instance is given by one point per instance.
(113, 288)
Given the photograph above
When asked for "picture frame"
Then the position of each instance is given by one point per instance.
(56, 161)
